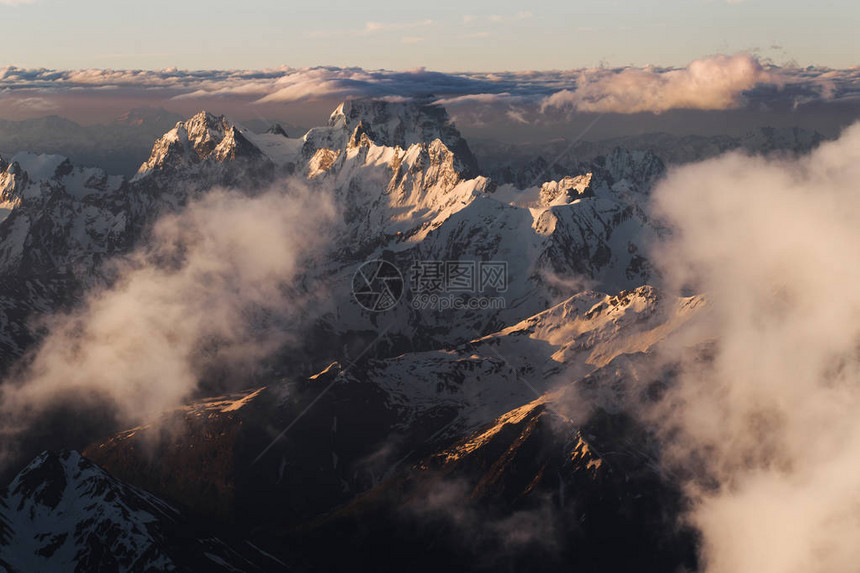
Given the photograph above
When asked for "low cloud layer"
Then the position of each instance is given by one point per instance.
(212, 295)
(717, 82)
(773, 417)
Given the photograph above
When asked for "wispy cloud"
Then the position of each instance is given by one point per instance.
(373, 27)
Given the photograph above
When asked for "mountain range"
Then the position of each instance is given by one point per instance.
(410, 439)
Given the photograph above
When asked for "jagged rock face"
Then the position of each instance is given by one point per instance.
(521, 434)
(11, 182)
(391, 124)
(402, 124)
(60, 218)
(388, 192)
(566, 190)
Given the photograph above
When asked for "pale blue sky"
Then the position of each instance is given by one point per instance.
(464, 35)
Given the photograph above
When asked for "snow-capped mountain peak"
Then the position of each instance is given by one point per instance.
(204, 137)
(21, 178)
(393, 124)
(397, 123)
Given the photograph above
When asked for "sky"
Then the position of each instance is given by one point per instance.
(443, 35)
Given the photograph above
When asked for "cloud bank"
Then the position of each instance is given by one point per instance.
(709, 84)
(773, 416)
(717, 82)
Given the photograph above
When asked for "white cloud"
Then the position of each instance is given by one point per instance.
(197, 298)
(717, 82)
(774, 416)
